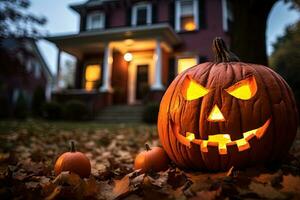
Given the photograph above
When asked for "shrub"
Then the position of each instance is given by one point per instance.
(150, 113)
(38, 100)
(21, 107)
(76, 110)
(52, 110)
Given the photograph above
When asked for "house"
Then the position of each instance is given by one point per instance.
(128, 51)
(23, 71)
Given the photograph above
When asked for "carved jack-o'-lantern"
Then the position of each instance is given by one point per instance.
(227, 113)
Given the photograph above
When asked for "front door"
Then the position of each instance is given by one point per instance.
(139, 79)
(142, 83)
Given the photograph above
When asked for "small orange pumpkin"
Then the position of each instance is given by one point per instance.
(153, 159)
(73, 161)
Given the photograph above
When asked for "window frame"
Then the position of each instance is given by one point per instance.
(178, 7)
(227, 15)
(90, 15)
(184, 57)
(134, 12)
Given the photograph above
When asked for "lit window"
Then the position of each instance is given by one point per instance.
(95, 20)
(186, 15)
(141, 14)
(92, 77)
(185, 63)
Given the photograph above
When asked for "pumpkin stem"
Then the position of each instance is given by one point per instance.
(72, 146)
(147, 147)
(222, 53)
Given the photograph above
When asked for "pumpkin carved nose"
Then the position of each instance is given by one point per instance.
(216, 115)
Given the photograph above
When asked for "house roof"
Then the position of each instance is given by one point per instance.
(76, 44)
(90, 3)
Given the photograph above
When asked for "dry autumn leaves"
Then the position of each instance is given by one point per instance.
(29, 151)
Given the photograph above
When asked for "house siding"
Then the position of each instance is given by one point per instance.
(163, 11)
(199, 42)
(117, 18)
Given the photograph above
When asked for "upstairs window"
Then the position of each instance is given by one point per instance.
(141, 14)
(187, 15)
(95, 20)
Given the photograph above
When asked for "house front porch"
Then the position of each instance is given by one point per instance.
(127, 65)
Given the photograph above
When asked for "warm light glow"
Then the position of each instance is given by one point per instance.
(89, 85)
(216, 115)
(189, 26)
(190, 136)
(249, 133)
(185, 63)
(244, 89)
(222, 140)
(92, 73)
(128, 57)
(128, 42)
(188, 23)
(193, 90)
(204, 146)
(243, 92)
(242, 144)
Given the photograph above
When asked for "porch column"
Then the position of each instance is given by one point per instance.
(58, 69)
(157, 85)
(107, 69)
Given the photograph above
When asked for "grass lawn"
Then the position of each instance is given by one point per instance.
(37, 124)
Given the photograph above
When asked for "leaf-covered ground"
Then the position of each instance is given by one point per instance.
(28, 151)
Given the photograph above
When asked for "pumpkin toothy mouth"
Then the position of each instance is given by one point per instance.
(222, 141)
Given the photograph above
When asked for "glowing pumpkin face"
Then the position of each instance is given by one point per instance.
(217, 115)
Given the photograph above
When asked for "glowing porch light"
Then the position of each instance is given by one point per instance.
(128, 57)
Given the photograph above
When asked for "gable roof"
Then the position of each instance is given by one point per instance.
(90, 3)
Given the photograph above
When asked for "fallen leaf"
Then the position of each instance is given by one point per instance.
(54, 194)
(273, 179)
(67, 178)
(121, 188)
(266, 191)
(207, 195)
(291, 183)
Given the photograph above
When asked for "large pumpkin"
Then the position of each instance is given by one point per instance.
(227, 113)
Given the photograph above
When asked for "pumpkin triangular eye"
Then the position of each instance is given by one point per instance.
(244, 89)
(192, 90)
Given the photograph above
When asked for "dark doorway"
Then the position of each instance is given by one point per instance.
(142, 86)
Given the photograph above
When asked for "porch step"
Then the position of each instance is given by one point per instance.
(121, 114)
